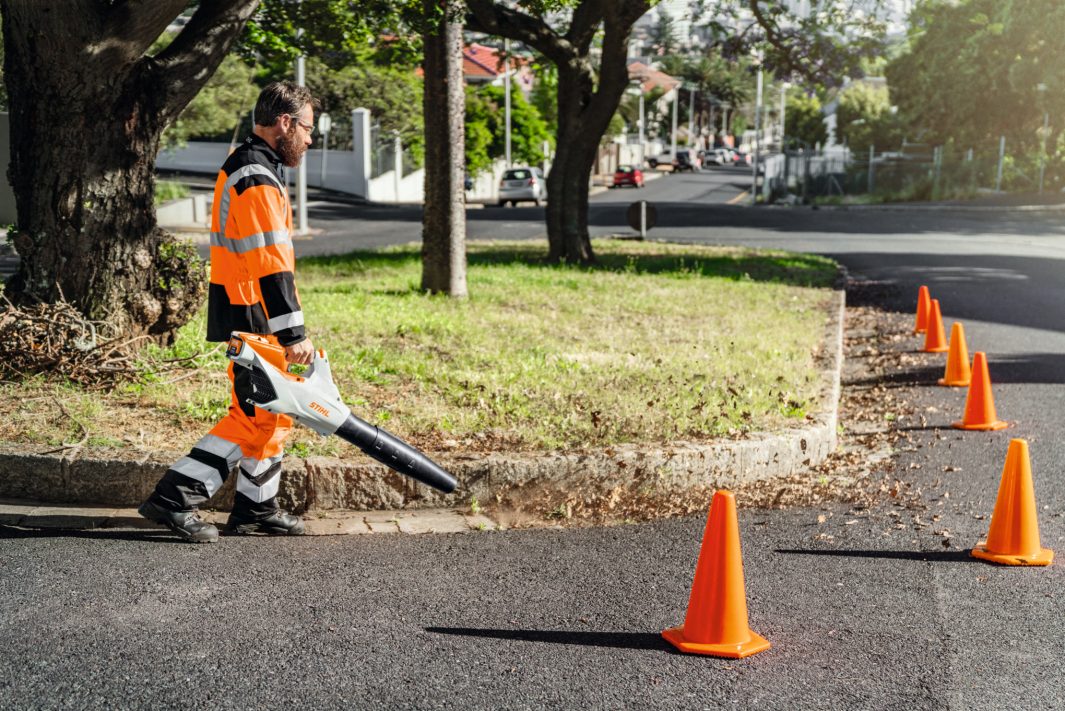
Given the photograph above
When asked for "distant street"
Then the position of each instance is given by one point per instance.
(346, 225)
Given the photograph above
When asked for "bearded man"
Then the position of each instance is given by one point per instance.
(252, 289)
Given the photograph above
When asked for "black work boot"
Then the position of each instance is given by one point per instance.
(277, 523)
(184, 523)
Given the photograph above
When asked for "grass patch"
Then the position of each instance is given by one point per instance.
(657, 343)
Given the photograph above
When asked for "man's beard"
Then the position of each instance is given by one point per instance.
(290, 150)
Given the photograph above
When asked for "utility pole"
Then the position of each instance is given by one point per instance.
(301, 172)
(1042, 88)
(757, 137)
(1001, 161)
(783, 109)
(691, 118)
(506, 94)
(643, 131)
(676, 100)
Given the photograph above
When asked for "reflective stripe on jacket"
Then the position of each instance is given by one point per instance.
(252, 287)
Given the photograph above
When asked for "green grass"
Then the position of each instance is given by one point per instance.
(657, 343)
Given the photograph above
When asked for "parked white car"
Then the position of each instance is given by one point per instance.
(522, 185)
(718, 156)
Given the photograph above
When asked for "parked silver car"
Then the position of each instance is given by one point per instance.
(522, 185)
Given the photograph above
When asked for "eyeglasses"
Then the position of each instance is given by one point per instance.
(309, 128)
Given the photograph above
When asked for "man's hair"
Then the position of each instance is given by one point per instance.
(281, 97)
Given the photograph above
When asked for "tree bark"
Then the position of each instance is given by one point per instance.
(87, 112)
(586, 103)
(444, 103)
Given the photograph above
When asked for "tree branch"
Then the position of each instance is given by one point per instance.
(487, 16)
(135, 24)
(587, 17)
(189, 61)
(618, 19)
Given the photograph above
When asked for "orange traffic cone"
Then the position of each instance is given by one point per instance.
(923, 304)
(979, 404)
(1014, 535)
(958, 372)
(935, 340)
(716, 623)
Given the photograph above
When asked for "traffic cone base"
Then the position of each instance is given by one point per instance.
(1045, 556)
(954, 383)
(757, 643)
(981, 426)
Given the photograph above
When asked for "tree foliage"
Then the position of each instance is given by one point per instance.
(220, 105)
(486, 130)
(664, 34)
(824, 46)
(866, 118)
(804, 119)
(389, 93)
(973, 71)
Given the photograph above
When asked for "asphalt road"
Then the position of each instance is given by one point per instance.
(875, 617)
(341, 225)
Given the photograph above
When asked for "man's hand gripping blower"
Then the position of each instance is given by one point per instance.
(313, 400)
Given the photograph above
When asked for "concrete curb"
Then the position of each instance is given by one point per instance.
(940, 207)
(324, 483)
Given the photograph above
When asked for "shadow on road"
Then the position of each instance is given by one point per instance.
(696, 214)
(936, 556)
(151, 536)
(614, 640)
(797, 269)
(1015, 368)
(1028, 368)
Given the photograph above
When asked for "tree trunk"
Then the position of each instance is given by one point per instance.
(444, 102)
(583, 117)
(87, 113)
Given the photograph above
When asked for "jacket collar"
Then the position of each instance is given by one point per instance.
(260, 144)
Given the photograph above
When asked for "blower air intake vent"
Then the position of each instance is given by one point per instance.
(262, 390)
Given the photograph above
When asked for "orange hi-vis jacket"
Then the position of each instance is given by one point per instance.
(252, 287)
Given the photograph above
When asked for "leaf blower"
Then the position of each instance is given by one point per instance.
(313, 400)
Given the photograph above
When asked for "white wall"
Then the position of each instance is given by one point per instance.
(203, 157)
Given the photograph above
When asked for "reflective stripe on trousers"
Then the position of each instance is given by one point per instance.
(247, 436)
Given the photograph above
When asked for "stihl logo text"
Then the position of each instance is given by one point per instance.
(319, 409)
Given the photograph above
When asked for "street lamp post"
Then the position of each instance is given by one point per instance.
(783, 108)
(673, 143)
(301, 172)
(757, 137)
(636, 89)
(506, 94)
(691, 117)
(1042, 88)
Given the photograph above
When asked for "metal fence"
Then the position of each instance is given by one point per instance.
(913, 172)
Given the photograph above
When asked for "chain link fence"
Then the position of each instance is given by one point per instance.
(915, 172)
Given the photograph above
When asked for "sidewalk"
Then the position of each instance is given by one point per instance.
(1005, 202)
(41, 516)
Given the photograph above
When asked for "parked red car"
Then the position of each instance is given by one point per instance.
(628, 175)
